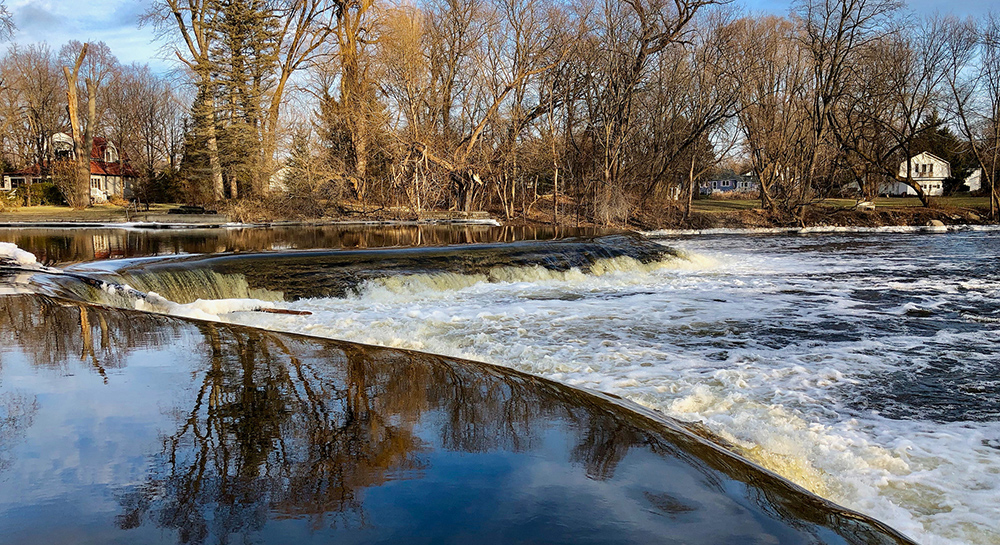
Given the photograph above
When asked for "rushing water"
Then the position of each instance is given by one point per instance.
(862, 366)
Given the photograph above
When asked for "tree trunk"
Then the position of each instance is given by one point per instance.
(77, 192)
(212, 143)
(83, 164)
(555, 198)
(690, 191)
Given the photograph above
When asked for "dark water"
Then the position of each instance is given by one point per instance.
(75, 244)
(122, 427)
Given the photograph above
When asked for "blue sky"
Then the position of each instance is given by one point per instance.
(958, 7)
(116, 22)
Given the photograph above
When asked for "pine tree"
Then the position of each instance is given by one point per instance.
(245, 57)
(938, 139)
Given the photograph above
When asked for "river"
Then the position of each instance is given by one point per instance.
(864, 367)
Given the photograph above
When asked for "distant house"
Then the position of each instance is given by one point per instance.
(975, 180)
(278, 182)
(110, 172)
(15, 179)
(927, 170)
(730, 184)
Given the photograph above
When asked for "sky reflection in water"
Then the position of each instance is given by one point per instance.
(122, 427)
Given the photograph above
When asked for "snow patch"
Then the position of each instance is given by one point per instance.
(11, 253)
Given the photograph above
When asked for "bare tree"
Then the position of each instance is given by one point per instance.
(894, 88)
(697, 92)
(33, 91)
(834, 33)
(774, 114)
(973, 78)
(6, 23)
(305, 25)
(193, 21)
(77, 192)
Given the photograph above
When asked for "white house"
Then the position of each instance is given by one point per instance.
(975, 180)
(927, 170)
(110, 173)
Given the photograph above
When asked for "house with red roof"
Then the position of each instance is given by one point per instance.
(110, 172)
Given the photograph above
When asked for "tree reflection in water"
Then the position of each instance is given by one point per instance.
(86, 244)
(282, 429)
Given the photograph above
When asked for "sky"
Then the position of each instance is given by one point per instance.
(115, 22)
(957, 7)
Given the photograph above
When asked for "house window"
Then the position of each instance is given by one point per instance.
(930, 169)
(16, 183)
(715, 185)
(95, 183)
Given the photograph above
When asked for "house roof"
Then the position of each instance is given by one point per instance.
(112, 169)
(98, 166)
(101, 146)
(33, 170)
(929, 154)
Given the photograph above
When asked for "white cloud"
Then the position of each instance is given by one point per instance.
(115, 22)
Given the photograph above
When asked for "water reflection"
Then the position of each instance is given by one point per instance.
(17, 413)
(272, 437)
(56, 246)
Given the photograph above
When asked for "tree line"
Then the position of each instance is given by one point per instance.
(601, 111)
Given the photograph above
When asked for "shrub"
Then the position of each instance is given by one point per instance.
(264, 209)
(9, 201)
(41, 193)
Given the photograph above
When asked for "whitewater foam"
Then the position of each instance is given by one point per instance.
(766, 349)
(820, 229)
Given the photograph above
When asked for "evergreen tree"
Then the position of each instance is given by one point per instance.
(938, 139)
(246, 57)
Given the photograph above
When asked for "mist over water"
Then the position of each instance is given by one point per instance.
(862, 366)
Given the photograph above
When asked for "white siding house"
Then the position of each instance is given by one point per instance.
(975, 180)
(928, 170)
(110, 173)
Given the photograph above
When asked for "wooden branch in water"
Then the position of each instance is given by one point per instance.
(283, 311)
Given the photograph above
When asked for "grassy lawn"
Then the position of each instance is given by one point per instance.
(710, 206)
(97, 213)
(964, 201)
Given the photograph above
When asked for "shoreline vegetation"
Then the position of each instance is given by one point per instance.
(614, 114)
(706, 214)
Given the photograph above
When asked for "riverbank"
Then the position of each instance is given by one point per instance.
(159, 216)
(707, 214)
(826, 216)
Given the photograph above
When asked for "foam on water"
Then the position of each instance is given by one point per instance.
(822, 229)
(766, 349)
